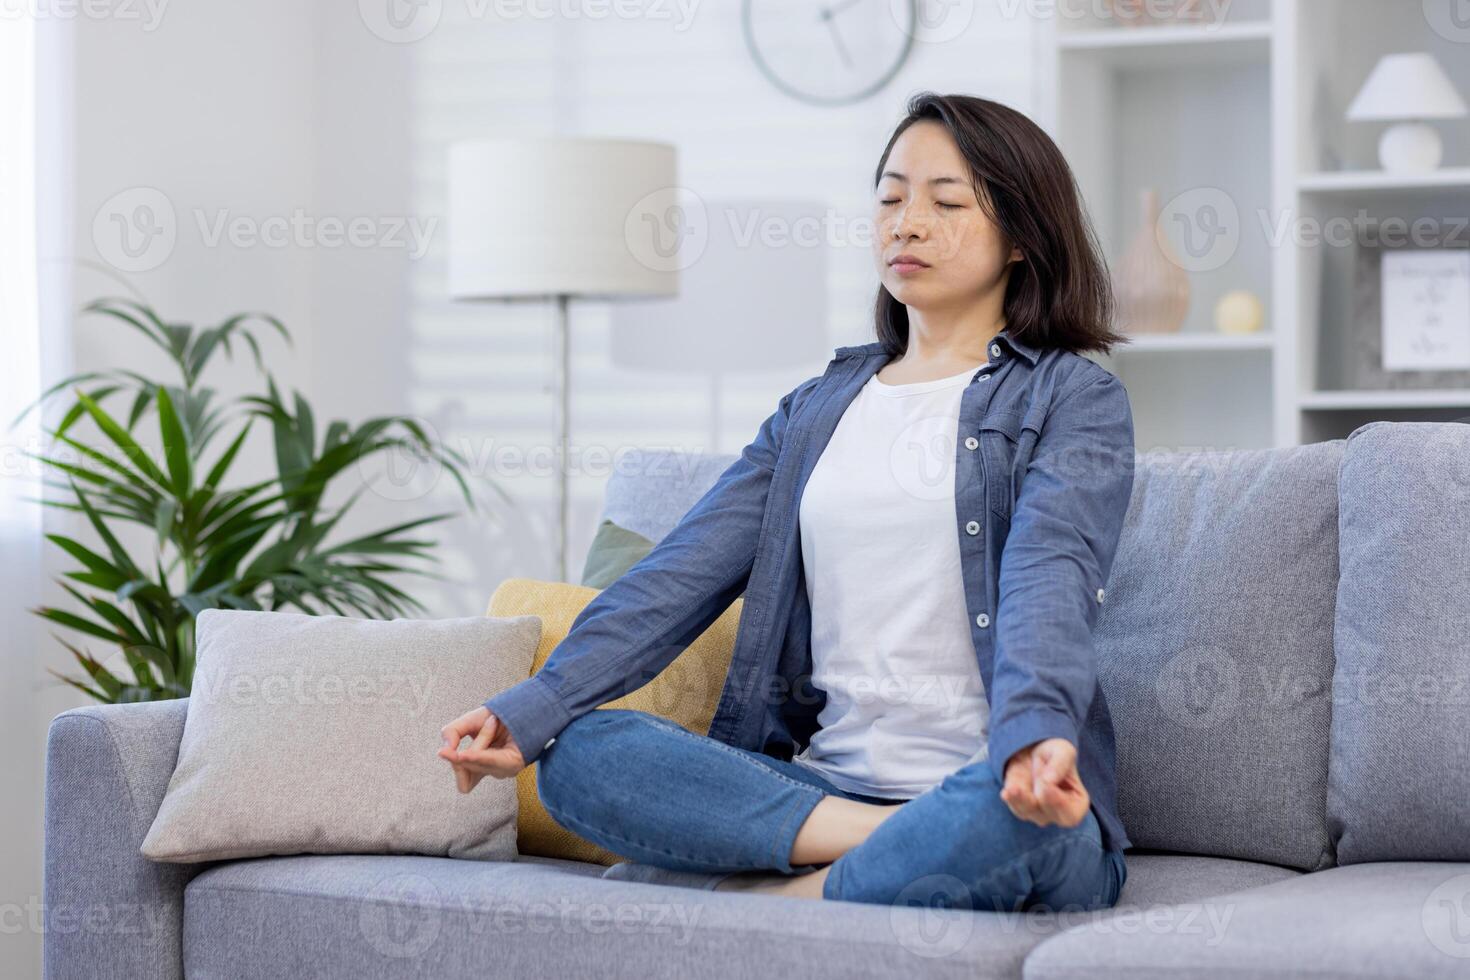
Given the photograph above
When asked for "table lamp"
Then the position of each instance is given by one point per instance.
(552, 218)
(1407, 89)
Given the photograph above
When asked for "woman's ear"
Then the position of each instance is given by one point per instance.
(1016, 255)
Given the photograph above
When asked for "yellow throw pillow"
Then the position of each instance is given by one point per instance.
(686, 692)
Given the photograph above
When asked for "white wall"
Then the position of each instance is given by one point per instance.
(278, 107)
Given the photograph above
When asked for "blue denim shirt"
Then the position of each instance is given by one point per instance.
(1043, 475)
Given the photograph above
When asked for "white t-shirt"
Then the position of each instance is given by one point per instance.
(890, 639)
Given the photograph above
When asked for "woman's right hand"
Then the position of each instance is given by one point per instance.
(493, 753)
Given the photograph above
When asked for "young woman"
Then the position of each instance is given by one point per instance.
(923, 534)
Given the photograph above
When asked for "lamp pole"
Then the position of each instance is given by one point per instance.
(561, 408)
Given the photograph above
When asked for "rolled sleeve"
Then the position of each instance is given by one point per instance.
(641, 622)
(1064, 532)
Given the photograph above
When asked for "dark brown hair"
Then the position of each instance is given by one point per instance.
(1060, 294)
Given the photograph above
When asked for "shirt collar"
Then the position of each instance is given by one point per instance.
(1030, 353)
(1019, 346)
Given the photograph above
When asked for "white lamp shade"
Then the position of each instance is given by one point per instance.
(551, 216)
(1407, 86)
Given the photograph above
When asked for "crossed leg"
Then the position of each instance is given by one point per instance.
(647, 789)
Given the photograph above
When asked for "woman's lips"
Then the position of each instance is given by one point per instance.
(908, 268)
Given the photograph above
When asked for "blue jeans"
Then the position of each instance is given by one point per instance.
(651, 791)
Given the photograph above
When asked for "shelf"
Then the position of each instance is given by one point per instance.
(1395, 398)
(1196, 341)
(1143, 48)
(1351, 181)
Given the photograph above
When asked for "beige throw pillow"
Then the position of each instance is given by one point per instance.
(318, 735)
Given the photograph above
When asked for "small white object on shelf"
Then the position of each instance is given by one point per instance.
(1408, 89)
(1239, 311)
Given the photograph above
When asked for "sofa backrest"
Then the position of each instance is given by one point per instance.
(651, 489)
(1253, 698)
(1215, 652)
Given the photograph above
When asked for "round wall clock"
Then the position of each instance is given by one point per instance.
(830, 52)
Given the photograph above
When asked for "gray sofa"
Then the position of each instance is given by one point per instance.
(1284, 652)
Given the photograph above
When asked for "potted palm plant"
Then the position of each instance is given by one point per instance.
(264, 545)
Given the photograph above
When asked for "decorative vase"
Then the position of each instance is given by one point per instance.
(1151, 286)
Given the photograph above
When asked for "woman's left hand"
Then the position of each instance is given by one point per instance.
(1042, 785)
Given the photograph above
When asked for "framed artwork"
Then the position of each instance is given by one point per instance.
(1411, 319)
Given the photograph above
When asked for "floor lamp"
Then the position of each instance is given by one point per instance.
(558, 218)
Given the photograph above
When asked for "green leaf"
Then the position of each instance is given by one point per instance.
(175, 447)
(163, 520)
(217, 472)
(134, 452)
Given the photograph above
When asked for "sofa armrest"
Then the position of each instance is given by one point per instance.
(109, 911)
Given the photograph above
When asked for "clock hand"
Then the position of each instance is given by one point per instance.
(836, 38)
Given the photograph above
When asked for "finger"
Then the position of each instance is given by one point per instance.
(487, 760)
(1017, 794)
(454, 732)
(486, 733)
(1067, 801)
(461, 779)
(1031, 785)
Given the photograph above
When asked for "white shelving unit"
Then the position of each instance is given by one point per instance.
(1252, 108)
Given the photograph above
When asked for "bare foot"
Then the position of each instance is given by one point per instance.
(807, 885)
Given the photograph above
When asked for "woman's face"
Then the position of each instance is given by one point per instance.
(926, 207)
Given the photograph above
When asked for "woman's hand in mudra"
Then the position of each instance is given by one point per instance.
(493, 753)
(1042, 784)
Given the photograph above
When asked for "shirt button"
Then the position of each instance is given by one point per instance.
(1099, 595)
(972, 443)
(983, 377)
(974, 528)
(995, 350)
(982, 620)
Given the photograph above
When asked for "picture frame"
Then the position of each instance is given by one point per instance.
(1362, 358)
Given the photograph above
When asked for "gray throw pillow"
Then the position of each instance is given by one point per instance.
(1215, 652)
(1399, 780)
(317, 735)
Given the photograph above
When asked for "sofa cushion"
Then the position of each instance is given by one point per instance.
(686, 692)
(1399, 780)
(1215, 652)
(613, 551)
(650, 490)
(407, 916)
(317, 733)
(1389, 919)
